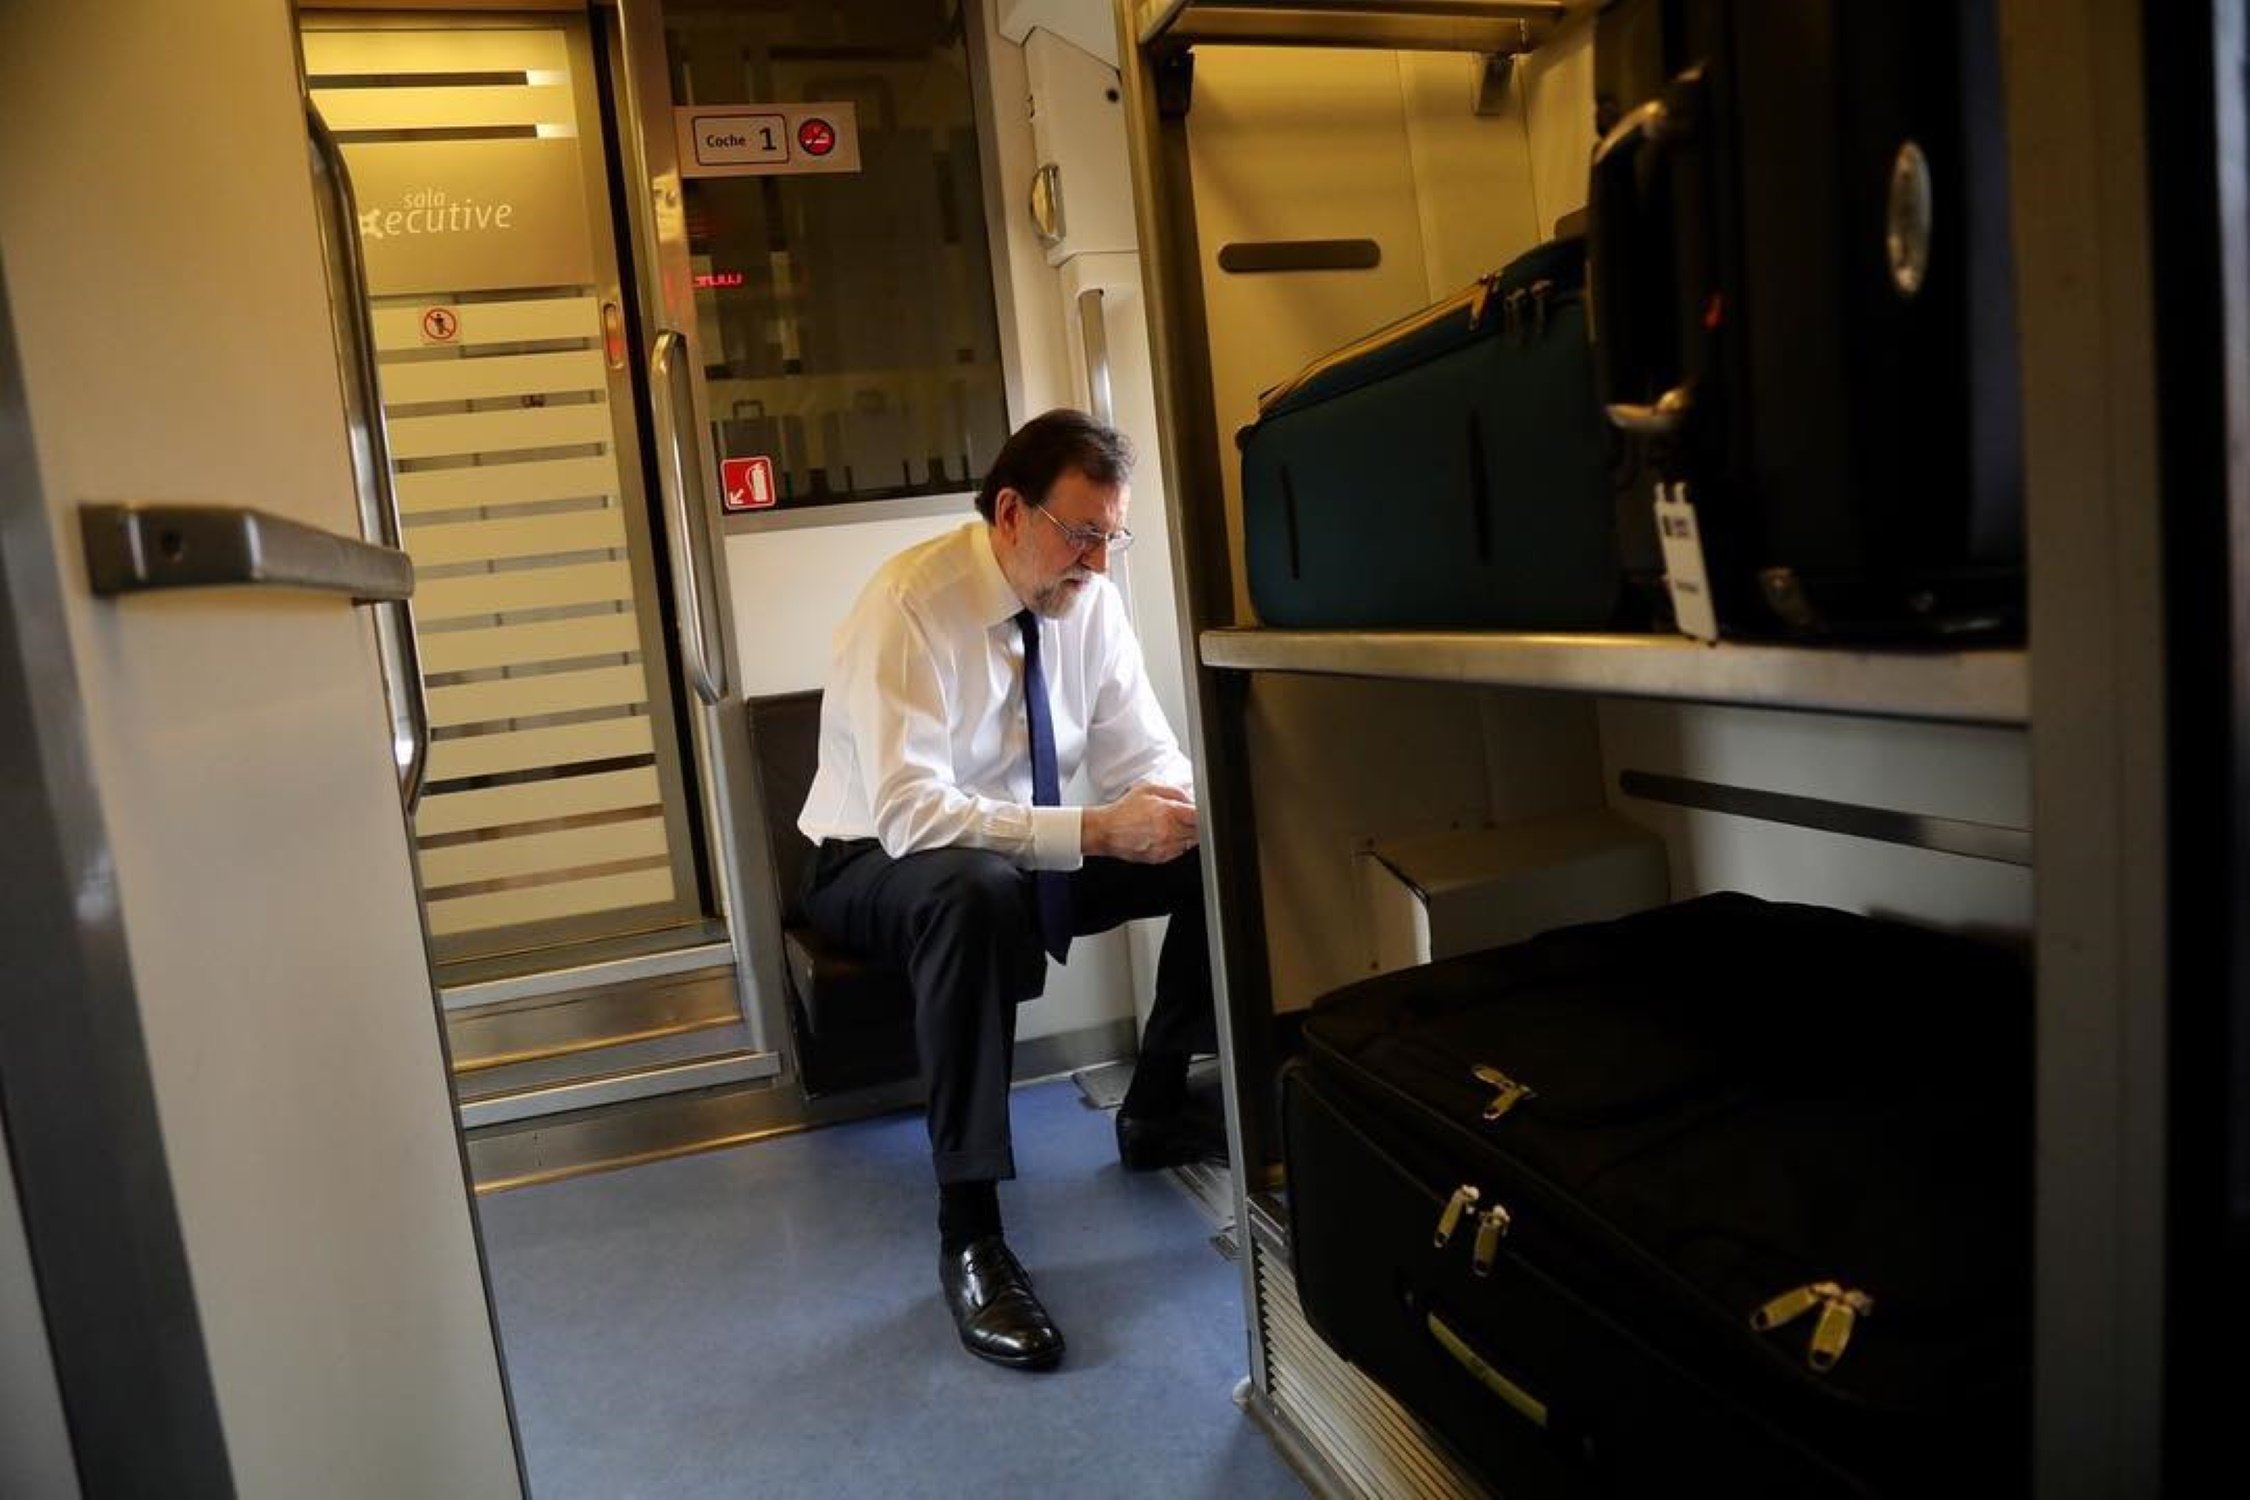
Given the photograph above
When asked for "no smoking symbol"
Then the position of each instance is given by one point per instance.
(817, 136)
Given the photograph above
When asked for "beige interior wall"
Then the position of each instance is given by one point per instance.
(157, 219)
(1339, 764)
(1556, 85)
(1977, 775)
(35, 1456)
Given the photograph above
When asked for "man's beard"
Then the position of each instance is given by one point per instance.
(1058, 598)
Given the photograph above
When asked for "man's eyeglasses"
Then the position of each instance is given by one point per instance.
(1086, 538)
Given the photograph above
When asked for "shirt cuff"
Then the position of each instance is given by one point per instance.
(1055, 838)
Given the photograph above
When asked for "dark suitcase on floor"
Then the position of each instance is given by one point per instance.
(1450, 470)
(1543, 1193)
(1803, 306)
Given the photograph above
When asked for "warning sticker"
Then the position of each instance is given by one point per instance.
(441, 325)
(746, 484)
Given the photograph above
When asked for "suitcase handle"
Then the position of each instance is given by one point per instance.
(1621, 343)
(1661, 419)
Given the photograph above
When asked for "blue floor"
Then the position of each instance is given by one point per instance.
(766, 1321)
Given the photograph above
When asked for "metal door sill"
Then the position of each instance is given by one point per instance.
(619, 1088)
(588, 976)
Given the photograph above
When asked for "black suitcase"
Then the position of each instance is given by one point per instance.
(1450, 470)
(1548, 1194)
(1803, 307)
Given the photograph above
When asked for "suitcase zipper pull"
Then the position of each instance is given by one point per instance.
(1841, 1308)
(1792, 1305)
(1511, 1093)
(1834, 1330)
(1483, 296)
(1463, 1197)
(1492, 1224)
(1539, 293)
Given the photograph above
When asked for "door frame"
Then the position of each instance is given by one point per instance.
(660, 299)
(76, 1096)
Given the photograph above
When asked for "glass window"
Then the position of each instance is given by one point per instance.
(847, 320)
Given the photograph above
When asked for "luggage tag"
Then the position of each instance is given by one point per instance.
(1684, 573)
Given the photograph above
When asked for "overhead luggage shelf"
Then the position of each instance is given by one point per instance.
(1490, 26)
(1966, 687)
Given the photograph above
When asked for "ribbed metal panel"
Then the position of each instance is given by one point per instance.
(1367, 1438)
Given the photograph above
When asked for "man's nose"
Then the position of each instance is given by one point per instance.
(1096, 557)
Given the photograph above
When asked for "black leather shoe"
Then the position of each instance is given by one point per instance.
(1147, 1142)
(993, 1307)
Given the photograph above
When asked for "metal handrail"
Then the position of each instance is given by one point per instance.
(138, 549)
(1095, 333)
(379, 520)
(701, 639)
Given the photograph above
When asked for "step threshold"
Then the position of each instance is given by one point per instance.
(619, 1088)
(588, 976)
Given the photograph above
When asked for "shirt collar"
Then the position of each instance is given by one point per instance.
(997, 603)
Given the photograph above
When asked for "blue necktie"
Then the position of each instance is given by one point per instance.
(1046, 790)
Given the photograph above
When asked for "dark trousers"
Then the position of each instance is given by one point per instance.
(963, 925)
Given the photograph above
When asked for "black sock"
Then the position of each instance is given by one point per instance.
(966, 1211)
(1159, 1084)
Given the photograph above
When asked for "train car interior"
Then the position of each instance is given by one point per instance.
(1692, 558)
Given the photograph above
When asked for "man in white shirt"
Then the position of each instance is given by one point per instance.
(976, 675)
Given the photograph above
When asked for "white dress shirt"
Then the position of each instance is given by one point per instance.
(923, 739)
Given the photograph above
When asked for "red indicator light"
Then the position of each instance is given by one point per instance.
(613, 335)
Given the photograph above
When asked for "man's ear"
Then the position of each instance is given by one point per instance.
(1007, 511)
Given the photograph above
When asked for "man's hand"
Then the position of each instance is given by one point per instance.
(1149, 825)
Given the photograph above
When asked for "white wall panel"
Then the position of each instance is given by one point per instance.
(793, 588)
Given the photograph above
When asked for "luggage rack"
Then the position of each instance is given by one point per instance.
(1488, 26)
(2094, 758)
(1963, 687)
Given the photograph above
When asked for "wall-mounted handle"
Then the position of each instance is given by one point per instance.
(1047, 205)
(354, 327)
(1094, 331)
(137, 549)
(685, 505)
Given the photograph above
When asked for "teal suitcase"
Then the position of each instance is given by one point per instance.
(1449, 471)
